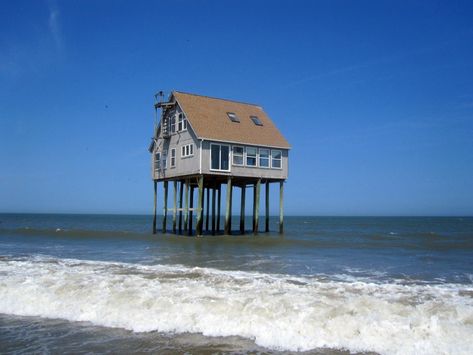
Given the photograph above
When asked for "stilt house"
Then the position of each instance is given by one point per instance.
(201, 143)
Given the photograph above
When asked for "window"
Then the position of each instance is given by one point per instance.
(233, 117)
(187, 150)
(264, 158)
(172, 124)
(256, 120)
(219, 157)
(276, 159)
(182, 122)
(165, 159)
(173, 157)
(237, 155)
(250, 156)
(157, 161)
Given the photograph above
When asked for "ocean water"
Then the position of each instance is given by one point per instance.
(104, 284)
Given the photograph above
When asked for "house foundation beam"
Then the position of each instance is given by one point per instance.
(155, 205)
(281, 205)
(219, 201)
(242, 209)
(181, 192)
(165, 205)
(256, 213)
(228, 213)
(200, 208)
(213, 211)
(266, 215)
(191, 209)
(207, 210)
(186, 208)
(174, 212)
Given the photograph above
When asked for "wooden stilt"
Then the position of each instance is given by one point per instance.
(174, 211)
(281, 211)
(266, 214)
(155, 205)
(186, 208)
(242, 210)
(181, 192)
(207, 207)
(219, 200)
(200, 206)
(191, 206)
(257, 198)
(254, 206)
(213, 211)
(228, 213)
(165, 206)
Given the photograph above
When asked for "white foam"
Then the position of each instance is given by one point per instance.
(277, 311)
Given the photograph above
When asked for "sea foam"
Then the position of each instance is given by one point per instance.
(276, 311)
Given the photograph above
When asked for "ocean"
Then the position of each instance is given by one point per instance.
(329, 285)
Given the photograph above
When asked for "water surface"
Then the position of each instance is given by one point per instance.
(97, 283)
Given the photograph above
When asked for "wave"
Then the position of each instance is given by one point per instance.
(276, 311)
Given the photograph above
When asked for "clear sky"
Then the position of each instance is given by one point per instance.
(376, 98)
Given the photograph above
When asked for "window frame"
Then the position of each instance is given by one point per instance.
(235, 118)
(220, 157)
(187, 150)
(238, 155)
(172, 158)
(181, 122)
(164, 159)
(255, 157)
(280, 159)
(172, 124)
(157, 161)
(256, 120)
(268, 158)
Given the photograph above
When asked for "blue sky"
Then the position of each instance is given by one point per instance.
(376, 98)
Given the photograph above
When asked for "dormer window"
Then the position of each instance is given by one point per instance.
(233, 117)
(181, 122)
(256, 120)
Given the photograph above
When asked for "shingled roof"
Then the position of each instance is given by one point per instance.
(209, 120)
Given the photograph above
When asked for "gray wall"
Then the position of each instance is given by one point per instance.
(184, 166)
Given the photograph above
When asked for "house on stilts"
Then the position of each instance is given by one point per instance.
(201, 143)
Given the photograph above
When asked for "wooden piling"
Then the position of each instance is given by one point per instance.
(257, 198)
(228, 213)
(155, 205)
(174, 211)
(219, 200)
(186, 208)
(242, 209)
(200, 208)
(266, 214)
(207, 207)
(191, 207)
(181, 192)
(213, 211)
(165, 205)
(281, 211)
(254, 207)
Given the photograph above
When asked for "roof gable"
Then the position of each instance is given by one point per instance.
(209, 120)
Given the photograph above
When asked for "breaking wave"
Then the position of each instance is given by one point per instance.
(276, 311)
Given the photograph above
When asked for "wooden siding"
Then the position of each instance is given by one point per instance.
(184, 165)
(245, 171)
